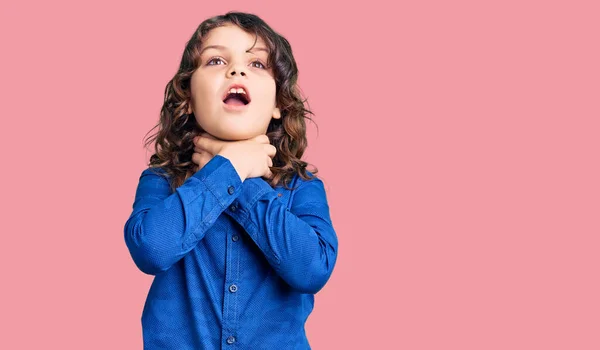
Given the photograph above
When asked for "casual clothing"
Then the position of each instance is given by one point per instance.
(236, 264)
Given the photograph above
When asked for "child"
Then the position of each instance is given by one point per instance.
(234, 228)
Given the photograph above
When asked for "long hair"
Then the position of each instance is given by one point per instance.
(173, 142)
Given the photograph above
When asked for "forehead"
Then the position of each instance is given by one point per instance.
(232, 37)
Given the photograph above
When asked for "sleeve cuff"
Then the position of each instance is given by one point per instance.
(253, 189)
(220, 178)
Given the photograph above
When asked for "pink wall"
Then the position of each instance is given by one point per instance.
(459, 143)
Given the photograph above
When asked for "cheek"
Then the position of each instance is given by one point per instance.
(274, 97)
(204, 91)
(200, 95)
(268, 98)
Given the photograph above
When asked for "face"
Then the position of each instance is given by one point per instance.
(225, 60)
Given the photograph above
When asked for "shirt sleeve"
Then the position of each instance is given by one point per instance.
(164, 226)
(299, 242)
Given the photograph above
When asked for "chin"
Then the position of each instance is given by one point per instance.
(231, 135)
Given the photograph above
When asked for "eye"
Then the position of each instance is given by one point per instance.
(214, 59)
(257, 63)
(262, 66)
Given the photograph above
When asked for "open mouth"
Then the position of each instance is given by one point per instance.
(235, 99)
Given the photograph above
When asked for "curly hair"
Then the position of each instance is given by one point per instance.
(173, 142)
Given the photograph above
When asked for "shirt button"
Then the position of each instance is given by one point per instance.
(233, 288)
(230, 190)
(235, 238)
(231, 339)
(233, 207)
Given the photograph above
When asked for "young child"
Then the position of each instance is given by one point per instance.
(235, 230)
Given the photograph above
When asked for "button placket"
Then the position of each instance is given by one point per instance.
(232, 275)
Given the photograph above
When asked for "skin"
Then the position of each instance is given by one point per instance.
(236, 135)
(250, 158)
(221, 67)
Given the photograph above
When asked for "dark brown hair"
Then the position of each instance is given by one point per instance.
(173, 142)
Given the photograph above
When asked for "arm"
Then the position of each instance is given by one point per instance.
(165, 226)
(299, 243)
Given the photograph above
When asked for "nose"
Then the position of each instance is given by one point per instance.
(236, 70)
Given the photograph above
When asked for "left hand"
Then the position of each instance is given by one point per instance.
(202, 155)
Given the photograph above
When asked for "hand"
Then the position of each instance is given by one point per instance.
(202, 156)
(250, 158)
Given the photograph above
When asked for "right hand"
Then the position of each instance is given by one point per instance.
(250, 158)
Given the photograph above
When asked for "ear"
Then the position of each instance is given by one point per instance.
(276, 113)
(189, 108)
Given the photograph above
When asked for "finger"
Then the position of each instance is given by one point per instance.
(208, 144)
(269, 161)
(202, 151)
(201, 159)
(206, 158)
(203, 134)
(271, 150)
(195, 139)
(196, 158)
(261, 139)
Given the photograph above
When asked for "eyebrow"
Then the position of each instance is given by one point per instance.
(221, 47)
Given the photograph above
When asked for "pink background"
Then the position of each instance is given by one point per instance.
(458, 141)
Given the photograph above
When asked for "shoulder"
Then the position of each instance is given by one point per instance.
(154, 171)
(313, 180)
(155, 177)
(153, 182)
(309, 190)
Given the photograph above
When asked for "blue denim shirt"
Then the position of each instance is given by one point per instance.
(235, 264)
